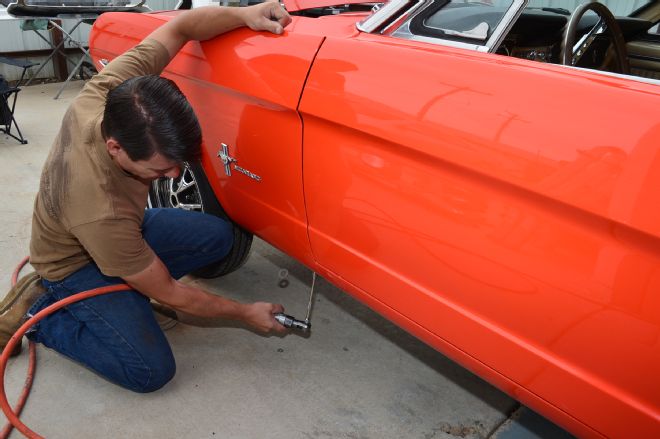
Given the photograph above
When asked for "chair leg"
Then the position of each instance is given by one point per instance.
(12, 121)
(8, 132)
(73, 72)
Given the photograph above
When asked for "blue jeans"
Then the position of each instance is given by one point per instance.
(116, 334)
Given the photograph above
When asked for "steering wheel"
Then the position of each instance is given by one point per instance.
(572, 51)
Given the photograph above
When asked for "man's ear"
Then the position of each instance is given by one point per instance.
(114, 148)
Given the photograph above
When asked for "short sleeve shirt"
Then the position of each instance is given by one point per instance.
(88, 209)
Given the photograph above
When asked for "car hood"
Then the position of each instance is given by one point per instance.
(301, 5)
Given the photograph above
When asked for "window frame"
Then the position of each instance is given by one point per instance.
(413, 29)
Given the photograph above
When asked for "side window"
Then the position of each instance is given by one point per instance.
(462, 20)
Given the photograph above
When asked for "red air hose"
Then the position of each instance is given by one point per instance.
(12, 414)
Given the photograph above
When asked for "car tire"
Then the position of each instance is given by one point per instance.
(192, 191)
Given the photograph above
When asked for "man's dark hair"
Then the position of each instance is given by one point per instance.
(148, 115)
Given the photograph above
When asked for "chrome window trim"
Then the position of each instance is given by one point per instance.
(421, 4)
(506, 24)
(616, 75)
(381, 14)
(400, 27)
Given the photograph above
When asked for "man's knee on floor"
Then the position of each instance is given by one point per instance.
(156, 378)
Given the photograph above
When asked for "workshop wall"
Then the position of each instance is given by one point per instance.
(15, 40)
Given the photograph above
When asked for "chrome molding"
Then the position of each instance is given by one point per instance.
(381, 14)
(617, 75)
(506, 24)
(252, 175)
(405, 16)
(400, 27)
(227, 160)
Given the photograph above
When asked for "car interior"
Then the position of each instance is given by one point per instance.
(590, 36)
(625, 40)
(538, 34)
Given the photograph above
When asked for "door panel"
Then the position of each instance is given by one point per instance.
(245, 88)
(498, 204)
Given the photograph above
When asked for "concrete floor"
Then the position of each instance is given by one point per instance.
(356, 376)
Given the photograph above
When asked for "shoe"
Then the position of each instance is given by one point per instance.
(15, 306)
(165, 316)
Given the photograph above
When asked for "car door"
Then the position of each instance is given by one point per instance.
(245, 89)
(503, 210)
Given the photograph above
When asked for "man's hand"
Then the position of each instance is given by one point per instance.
(269, 16)
(155, 282)
(260, 315)
(210, 21)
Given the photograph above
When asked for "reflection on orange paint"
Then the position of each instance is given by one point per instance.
(478, 218)
(504, 211)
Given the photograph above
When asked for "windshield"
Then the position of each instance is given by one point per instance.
(618, 7)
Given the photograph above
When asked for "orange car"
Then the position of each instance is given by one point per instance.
(486, 174)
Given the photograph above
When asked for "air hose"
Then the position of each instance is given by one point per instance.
(13, 414)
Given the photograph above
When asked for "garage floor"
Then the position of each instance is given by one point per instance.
(356, 376)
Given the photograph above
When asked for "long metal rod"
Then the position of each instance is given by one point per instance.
(311, 298)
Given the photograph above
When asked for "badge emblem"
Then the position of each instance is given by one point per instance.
(227, 160)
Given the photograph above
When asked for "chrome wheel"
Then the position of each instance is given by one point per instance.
(192, 191)
(181, 192)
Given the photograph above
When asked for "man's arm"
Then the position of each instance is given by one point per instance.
(155, 282)
(210, 21)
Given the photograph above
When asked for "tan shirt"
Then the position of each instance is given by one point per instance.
(89, 209)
